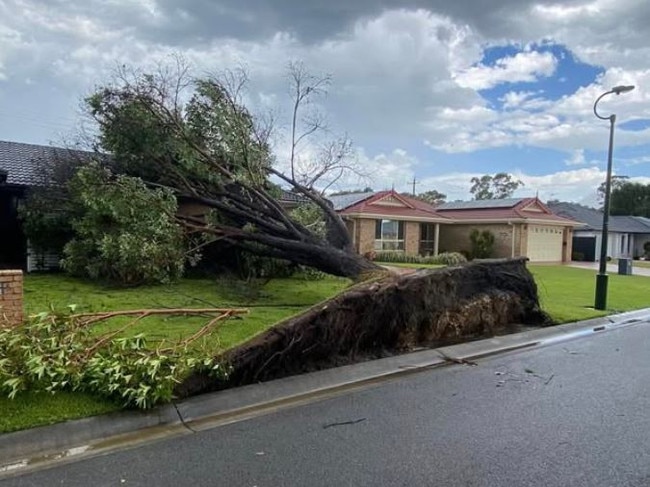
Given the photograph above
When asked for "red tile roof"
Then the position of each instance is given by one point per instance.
(519, 211)
(405, 207)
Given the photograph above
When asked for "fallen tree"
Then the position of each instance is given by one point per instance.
(389, 315)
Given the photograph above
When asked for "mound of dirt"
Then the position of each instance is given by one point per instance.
(430, 307)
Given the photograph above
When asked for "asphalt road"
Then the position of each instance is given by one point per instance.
(572, 414)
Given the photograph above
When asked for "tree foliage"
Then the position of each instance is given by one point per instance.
(432, 197)
(630, 199)
(501, 185)
(616, 182)
(59, 352)
(125, 233)
(48, 210)
(367, 189)
(197, 138)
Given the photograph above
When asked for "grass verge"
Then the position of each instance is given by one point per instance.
(567, 293)
(28, 410)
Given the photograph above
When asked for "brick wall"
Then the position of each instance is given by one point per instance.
(411, 238)
(567, 245)
(365, 235)
(11, 297)
(454, 238)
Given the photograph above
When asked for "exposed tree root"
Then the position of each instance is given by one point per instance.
(388, 315)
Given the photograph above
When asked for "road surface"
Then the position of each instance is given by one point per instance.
(573, 414)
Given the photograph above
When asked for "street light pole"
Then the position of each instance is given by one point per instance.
(602, 278)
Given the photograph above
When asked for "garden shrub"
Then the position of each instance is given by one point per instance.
(482, 244)
(445, 258)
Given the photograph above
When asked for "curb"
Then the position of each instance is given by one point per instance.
(26, 448)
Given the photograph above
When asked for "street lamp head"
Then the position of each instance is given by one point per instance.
(622, 89)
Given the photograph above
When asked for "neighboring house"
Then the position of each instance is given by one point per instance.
(521, 226)
(22, 166)
(389, 221)
(626, 234)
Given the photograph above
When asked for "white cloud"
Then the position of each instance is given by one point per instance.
(571, 185)
(514, 99)
(577, 158)
(524, 66)
(391, 170)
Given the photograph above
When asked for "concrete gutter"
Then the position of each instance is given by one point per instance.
(38, 447)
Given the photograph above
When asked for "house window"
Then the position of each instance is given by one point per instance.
(389, 235)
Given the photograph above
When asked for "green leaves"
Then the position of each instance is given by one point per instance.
(54, 353)
(126, 234)
(482, 243)
(500, 186)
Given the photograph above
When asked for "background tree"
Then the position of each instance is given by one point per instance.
(501, 185)
(630, 199)
(211, 151)
(367, 189)
(617, 182)
(432, 197)
(332, 157)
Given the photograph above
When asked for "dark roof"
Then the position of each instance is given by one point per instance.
(343, 201)
(511, 209)
(593, 219)
(480, 204)
(288, 196)
(628, 224)
(24, 162)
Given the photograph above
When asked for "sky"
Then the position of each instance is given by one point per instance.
(435, 91)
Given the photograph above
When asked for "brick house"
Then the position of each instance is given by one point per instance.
(388, 221)
(522, 227)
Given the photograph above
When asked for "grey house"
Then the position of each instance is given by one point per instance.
(627, 234)
(24, 166)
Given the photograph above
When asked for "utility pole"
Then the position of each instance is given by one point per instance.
(414, 182)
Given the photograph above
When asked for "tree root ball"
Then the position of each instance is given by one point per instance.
(430, 307)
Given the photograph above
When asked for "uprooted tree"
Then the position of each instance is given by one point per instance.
(197, 138)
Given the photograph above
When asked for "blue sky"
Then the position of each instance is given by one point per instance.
(436, 90)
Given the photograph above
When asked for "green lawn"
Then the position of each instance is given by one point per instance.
(36, 409)
(567, 293)
(268, 304)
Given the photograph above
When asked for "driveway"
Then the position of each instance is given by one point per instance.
(612, 268)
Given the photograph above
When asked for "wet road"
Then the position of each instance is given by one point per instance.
(572, 414)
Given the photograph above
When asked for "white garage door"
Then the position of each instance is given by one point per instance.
(544, 243)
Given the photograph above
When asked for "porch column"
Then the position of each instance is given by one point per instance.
(436, 239)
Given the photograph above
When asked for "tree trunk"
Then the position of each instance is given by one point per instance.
(333, 261)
